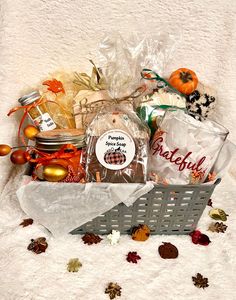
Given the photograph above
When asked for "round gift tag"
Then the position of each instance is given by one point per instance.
(115, 149)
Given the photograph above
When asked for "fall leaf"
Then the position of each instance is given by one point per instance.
(200, 281)
(74, 265)
(133, 257)
(54, 86)
(113, 289)
(217, 227)
(91, 238)
(38, 245)
(26, 222)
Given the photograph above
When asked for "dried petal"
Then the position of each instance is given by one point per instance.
(38, 245)
(26, 222)
(113, 289)
(200, 238)
(217, 227)
(91, 238)
(74, 265)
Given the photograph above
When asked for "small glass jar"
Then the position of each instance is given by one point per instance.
(45, 117)
(53, 140)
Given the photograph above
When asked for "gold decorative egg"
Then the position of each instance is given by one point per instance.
(54, 173)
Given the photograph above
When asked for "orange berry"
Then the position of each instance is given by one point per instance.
(18, 157)
(30, 132)
(4, 149)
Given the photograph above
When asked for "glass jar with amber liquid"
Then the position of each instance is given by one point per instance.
(39, 113)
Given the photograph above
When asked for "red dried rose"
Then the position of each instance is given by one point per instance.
(200, 238)
(133, 257)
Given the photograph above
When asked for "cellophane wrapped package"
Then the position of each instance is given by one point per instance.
(117, 147)
(117, 140)
(184, 149)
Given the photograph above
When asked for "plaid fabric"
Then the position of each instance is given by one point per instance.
(115, 158)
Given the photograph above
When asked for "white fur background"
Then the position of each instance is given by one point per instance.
(41, 36)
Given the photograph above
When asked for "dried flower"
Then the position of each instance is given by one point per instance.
(200, 238)
(38, 245)
(133, 257)
(26, 222)
(113, 289)
(200, 281)
(74, 265)
(217, 227)
(114, 237)
(91, 238)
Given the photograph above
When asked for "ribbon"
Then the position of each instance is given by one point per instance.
(95, 82)
(148, 74)
(67, 152)
(27, 108)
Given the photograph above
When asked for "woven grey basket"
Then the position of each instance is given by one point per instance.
(172, 209)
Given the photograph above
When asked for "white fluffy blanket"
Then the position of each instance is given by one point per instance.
(40, 36)
(25, 275)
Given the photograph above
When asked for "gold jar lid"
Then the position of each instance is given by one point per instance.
(53, 140)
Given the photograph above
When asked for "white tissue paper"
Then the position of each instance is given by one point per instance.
(62, 207)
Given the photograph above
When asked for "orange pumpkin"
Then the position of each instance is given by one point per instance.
(184, 80)
(140, 233)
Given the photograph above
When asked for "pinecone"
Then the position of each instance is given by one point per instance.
(113, 289)
(91, 238)
(218, 227)
(200, 281)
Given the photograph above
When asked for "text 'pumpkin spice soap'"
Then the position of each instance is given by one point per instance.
(117, 147)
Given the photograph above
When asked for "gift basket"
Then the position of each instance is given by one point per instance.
(121, 148)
